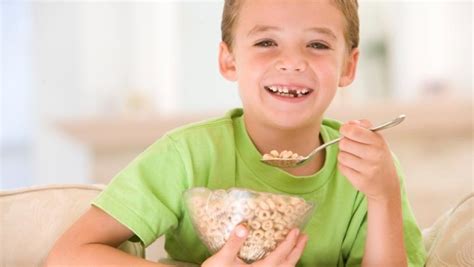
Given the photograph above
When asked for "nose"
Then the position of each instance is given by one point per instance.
(291, 62)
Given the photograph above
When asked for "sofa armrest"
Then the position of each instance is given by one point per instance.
(450, 240)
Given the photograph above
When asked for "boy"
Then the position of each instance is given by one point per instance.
(288, 58)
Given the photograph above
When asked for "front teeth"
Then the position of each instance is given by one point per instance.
(284, 91)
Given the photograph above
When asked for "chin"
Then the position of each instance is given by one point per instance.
(291, 121)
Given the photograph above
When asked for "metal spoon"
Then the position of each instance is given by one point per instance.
(291, 163)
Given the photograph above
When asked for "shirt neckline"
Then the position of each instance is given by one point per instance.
(276, 177)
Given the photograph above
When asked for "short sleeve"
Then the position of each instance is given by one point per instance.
(413, 238)
(354, 244)
(146, 195)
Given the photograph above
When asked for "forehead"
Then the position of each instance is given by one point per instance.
(290, 14)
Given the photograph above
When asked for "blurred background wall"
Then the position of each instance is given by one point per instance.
(87, 85)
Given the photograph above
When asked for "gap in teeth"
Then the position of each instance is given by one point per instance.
(287, 92)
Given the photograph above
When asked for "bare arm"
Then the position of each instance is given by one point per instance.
(384, 243)
(365, 159)
(93, 240)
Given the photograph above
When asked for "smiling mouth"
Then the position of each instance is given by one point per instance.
(288, 92)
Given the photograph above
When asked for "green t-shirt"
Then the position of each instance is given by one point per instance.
(147, 196)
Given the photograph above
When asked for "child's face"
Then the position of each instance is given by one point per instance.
(295, 45)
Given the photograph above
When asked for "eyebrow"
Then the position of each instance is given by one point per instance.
(323, 30)
(262, 28)
(265, 28)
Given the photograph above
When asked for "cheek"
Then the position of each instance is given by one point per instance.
(258, 59)
(242, 63)
(328, 64)
(327, 70)
(251, 67)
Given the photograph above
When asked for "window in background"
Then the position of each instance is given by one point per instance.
(411, 50)
(201, 86)
(17, 126)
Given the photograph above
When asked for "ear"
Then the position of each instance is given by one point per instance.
(227, 62)
(349, 68)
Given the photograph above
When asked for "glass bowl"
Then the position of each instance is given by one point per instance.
(269, 218)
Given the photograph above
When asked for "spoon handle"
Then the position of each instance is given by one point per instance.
(386, 125)
(389, 124)
(323, 146)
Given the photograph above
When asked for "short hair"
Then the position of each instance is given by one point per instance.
(348, 8)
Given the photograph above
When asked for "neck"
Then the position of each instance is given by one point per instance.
(300, 140)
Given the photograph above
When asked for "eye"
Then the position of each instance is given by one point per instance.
(318, 45)
(266, 43)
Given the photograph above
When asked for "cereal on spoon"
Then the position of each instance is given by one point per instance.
(285, 154)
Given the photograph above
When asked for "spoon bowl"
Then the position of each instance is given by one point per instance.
(299, 161)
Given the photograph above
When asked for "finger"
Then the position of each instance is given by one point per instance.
(365, 123)
(236, 240)
(350, 160)
(282, 251)
(352, 175)
(359, 150)
(296, 253)
(357, 132)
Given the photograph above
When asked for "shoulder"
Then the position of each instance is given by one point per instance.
(213, 134)
(198, 136)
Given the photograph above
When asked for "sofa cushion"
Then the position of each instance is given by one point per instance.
(33, 219)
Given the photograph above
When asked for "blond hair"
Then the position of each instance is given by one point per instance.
(348, 9)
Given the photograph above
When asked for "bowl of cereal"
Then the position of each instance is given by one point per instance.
(269, 218)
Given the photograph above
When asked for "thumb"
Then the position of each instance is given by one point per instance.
(236, 240)
(365, 123)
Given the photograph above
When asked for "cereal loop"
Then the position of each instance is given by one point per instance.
(263, 214)
(270, 203)
(258, 234)
(267, 225)
(280, 226)
(255, 225)
(263, 205)
(270, 234)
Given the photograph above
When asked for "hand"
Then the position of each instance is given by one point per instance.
(285, 255)
(365, 159)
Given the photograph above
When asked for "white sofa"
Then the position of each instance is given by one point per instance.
(33, 218)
